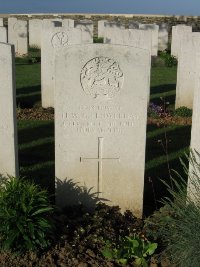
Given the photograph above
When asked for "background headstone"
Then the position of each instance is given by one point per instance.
(133, 24)
(163, 37)
(35, 29)
(153, 28)
(1, 22)
(177, 32)
(101, 28)
(109, 26)
(12, 37)
(8, 131)
(68, 23)
(3, 35)
(189, 45)
(87, 28)
(100, 124)
(20, 28)
(53, 38)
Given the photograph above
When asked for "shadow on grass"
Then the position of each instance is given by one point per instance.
(36, 153)
(162, 88)
(27, 97)
(157, 167)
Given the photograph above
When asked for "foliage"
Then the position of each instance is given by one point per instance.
(180, 229)
(34, 48)
(133, 247)
(98, 39)
(24, 211)
(154, 111)
(169, 60)
(183, 112)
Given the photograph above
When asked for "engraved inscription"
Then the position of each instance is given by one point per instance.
(101, 77)
(59, 39)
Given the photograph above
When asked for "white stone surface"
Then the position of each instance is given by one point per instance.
(163, 37)
(153, 28)
(177, 32)
(190, 44)
(53, 39)
(101, 28)
(35, 30)
(100, 124)
(1, 22)
(87, 28)
(8, 131)
(3, 35)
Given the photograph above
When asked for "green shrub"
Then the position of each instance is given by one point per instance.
(24, 211)
(130, 248)
(181, 230)
(98, 39)
(183, 112)
(169, 60)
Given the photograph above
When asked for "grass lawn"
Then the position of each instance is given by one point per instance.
(36, 138)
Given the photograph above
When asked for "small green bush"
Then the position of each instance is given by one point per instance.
(180, 227)
(24, 216)
(98, 39)
(169, 60)
(183, 112)
(130, 248)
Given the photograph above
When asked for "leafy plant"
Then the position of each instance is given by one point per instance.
(98, 39)
(183, 112)
(129, 248)
(181, 230)
(24, 211)
(169, 60)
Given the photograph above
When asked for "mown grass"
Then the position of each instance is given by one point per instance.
(36, 138)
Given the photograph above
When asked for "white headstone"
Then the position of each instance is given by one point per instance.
(8, 130)
(20, 27)
(190, 43)
(100, 124)
(194, 171)
(177, 32)
(131, 37)
(35, 30)
(153, 28)
(101, 27)
(1, 22)
(87, 28)
(12, 38)
(53, 39)
(163, 37)
(3, 35)
(68, 23)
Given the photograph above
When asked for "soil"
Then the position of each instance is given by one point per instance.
(79, 239)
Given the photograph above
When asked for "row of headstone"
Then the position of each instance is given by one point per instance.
(159, 34)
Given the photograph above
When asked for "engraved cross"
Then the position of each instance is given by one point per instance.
(100, 159)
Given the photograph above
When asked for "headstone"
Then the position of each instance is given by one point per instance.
(131, 37)
(100, 124)
(53, 39)
(194, 171)
(110, 26)
(153, 28)
(12, 38)
(101, 28)
(35, 29)
(177, 32)
(1, 22)
(68, 23)
(3, 35)
(133, 24)
(87, 28)
(8, 130)
(17, 35)
(163, 37)
(190, 44)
